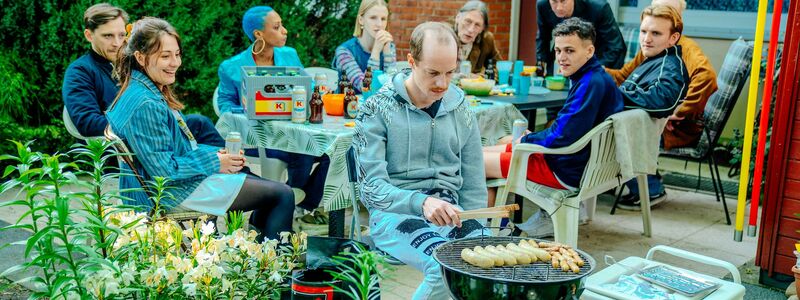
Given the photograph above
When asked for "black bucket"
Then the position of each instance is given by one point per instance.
(313, 285)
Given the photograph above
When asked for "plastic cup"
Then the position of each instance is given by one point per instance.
(518, 67)
(538, 81)
(524, 85)
(503, 71)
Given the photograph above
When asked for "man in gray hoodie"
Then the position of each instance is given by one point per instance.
(419, 158)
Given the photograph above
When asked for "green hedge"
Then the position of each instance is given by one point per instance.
(39, 38)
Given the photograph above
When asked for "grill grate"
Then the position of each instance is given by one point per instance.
(449, 255)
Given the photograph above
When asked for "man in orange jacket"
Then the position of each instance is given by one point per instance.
(685, 125)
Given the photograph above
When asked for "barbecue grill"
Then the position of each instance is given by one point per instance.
(532, 281)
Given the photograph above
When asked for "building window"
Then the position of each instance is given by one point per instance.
(723, 19)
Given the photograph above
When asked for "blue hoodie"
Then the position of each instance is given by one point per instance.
(401, 150)
(592, 98)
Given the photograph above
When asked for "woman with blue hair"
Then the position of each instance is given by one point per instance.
(264, 28)
(268, 36)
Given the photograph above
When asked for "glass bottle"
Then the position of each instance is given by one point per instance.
(490, 71)
(367, 80)
(315, 106)
(343, 82)
(350, 104)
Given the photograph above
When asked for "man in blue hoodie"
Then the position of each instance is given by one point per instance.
(592, 98)
(418, 152)
(88, 88)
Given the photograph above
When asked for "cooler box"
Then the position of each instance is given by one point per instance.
(597, 284)
(267, 91)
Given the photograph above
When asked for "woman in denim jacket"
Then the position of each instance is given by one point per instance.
(146, 115)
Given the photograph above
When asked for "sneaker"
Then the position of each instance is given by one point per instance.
(631, 201)
(539, 225)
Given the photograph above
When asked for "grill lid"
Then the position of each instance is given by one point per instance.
(449, 256)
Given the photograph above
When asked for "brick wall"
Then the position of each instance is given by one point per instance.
(407, 14)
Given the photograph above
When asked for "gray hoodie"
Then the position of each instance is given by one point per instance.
(401, 150)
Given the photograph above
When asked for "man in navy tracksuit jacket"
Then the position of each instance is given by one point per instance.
(88, 88)
(658, 84)
(593, 96)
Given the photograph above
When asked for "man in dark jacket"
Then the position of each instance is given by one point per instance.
(660, 81)
(610, 48)
(88, 88)
(592, 98)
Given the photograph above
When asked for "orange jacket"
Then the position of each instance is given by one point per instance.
(702, 83)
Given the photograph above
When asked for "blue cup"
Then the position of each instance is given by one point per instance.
(518, 67)
(524, 85)
(503, 71)
(515, 83)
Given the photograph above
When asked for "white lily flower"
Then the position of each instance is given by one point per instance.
(207, 229)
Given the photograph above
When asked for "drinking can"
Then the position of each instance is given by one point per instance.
(299, 101)
(320, 79)
(518, 129)
(233, 143)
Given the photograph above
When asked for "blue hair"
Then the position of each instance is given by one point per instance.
(254, 20)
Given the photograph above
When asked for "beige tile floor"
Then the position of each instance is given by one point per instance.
(689, 220)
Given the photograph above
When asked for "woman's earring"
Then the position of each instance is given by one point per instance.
(255, 45)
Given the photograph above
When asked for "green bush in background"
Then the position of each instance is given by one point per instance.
(39, 38)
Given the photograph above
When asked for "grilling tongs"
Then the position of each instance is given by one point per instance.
(489, 212)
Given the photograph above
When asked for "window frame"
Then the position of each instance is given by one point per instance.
(708, 23)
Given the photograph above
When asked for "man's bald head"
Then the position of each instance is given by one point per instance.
(432, 35)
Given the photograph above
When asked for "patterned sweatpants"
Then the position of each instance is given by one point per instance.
(411, 239)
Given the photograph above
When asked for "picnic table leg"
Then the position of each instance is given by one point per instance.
(336, 223)
(518, 213)
(531, 116)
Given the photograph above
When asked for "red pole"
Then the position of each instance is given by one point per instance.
(766, 102)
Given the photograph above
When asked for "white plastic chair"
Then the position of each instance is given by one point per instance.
(215, 101)
(71, 126)
(601, 174)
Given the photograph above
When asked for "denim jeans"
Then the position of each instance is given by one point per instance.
(654, 185)
(204, 131)
(300, 176)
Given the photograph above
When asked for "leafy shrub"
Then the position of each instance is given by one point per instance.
(105, 250)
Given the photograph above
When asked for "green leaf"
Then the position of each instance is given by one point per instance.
(13, 269)
(8, 170)
(33, 240)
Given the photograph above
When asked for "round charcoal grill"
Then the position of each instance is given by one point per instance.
(538, 280)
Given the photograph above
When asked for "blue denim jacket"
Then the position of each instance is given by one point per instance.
(143, 120)
(230, 76)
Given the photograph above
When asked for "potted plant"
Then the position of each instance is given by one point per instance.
(359, 273)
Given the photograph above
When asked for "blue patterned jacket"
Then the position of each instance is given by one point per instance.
(143, 120)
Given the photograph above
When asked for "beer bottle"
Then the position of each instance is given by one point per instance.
(350, 104)
(315, 106)
(343, 82)
(367, 80)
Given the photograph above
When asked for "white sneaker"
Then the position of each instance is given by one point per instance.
(539, 225)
